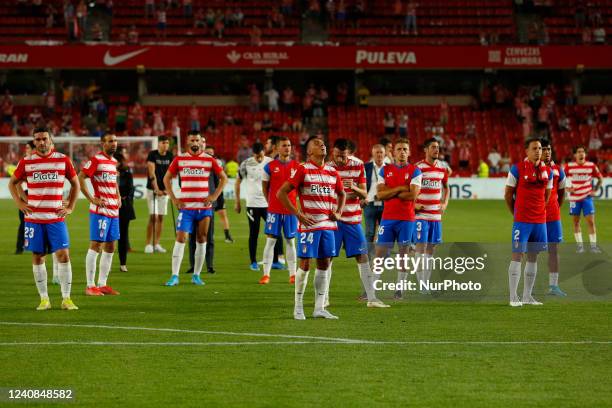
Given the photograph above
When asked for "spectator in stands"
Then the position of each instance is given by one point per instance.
(136, 115)
(210, 18)
(255, 35)
(494, 158)
(568, 92)
(121, 114)
(465, 154)
(194, 117)
(228, 119)
(90, 122)
(602, 111)
(389, 124)
(599, 35)
(266, 123)
(109, 7)
(7, 107)
(161, 23)
(363, 95)
(218, 28)
(483, 169)
(145, 130)
(595, 142)
(34, 117)
(187, 8)
(149, 8)
(443, 112)
(341, 14)
(272, 99)
(238, 17)
(288, 99)
(411, 20)
(50, 12)
(81, 13)
(587, 35)
(307, 107)
(68, 13)
(504, 163)
(254, 98)
(97, 34)
(211, 125)
(158, 123)
(175, 128)
(564, 123)
(543, 120)
(199, 19)
(286, 7)
(276, 19)
(244, 151)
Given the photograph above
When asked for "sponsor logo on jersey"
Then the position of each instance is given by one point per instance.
(110, 177)
(431, 183)
(315, 188)
(45, 176)
(193, 172)
(293, 171)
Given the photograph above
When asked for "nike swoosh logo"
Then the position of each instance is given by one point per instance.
(110, 60)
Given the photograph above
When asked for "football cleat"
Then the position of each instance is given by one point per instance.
(148, 249)
(298, 314)
(93, 291)
(264, 280)
(67, 304)
(173, 281)
(378, 304)
(580, 249)
(292, 280)
(516, 303)
(398, 295)
(278, 265)
(196, 280)
(160, 249)
(595, 249)
(324, 314)
(555, 290)
(44, 304)
(107, 290)
(254, 267)
(532, 301)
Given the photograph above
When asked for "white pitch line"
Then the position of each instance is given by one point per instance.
(301, 342)
(157, 329)
(304, 339)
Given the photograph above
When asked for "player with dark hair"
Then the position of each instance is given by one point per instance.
(321, 204)
(580, 174)
(430, 205)
(158, 162)
(554, 229)
(251, 173)
(101, 169)
(277, 172)
(528, 188)
(45, 171)
(349, 232)
(194, 202)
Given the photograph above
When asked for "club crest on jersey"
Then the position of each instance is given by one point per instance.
(315, 188)
(45, 176)
(187, 171)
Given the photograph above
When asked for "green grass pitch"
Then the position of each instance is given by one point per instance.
(235, 343)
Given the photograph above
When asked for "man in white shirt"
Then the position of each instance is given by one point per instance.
(494, 158)
(272, 96)
(251, 171)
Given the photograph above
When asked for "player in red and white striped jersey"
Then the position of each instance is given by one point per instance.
(349, 233)
(430, 204)
(105, 201)
(194, 201)
(45, 171)
(322, 200)
(580, 174)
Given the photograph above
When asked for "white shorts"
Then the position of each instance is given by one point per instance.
(158, 205)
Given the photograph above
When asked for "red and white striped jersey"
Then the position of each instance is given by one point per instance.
(194, 171)
(434, 178)
(317, 189)
(102, 171)
(581, 179)
(45, 177)
(353, 170)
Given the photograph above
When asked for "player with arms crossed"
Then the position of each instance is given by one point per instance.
(430, 205)
(528, 188)
(554, 230)
(277, 172)
(195, 201)
(101, 169)
(398, 187)
(580, 174)
(45, 171)
(322, 200)
(349, 232)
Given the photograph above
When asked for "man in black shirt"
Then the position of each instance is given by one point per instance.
(158, 162)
